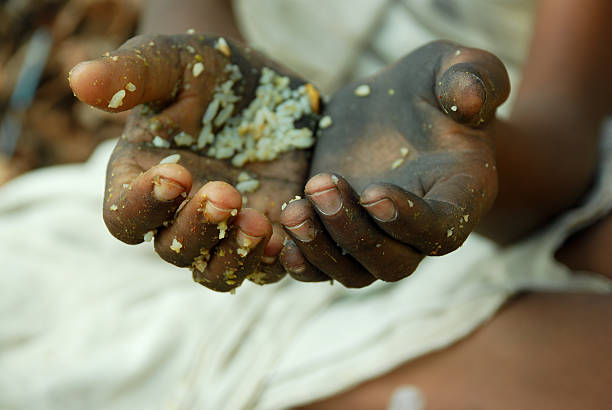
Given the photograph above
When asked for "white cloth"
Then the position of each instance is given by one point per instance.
(331, 42)
(88, 322)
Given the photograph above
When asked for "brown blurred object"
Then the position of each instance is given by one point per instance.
(57, 128)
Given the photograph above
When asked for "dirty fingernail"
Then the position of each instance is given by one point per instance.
(383, 210)
(247, 241)
(166, 189)
(214, 213)
(328, 201)
(304, 231)
(293, 260)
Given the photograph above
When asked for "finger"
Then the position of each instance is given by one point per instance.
(155, 66)
(237, 256)
(137, 202)
(307, 232)
(199, 225)
(471, 84)
(270, 269)
(354, 231)
(298, 266)
(435, 225)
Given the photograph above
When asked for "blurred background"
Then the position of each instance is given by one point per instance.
(41, 122)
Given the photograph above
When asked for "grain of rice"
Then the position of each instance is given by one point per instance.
(113, 207)
(404, 151)
(396, 164)
(224, 115)
(466, 217)
(247, 186)
(234, 212)
(313, 97)
(325, 122)
(334, 179)
(222, 227)
(198, 68)
(182, 139)
(410, 203)
(211, 111)
(449, 233)
(223, 47)
(171, 159)
(242, 252)
(130, 87)
(283, 206)
(176, 245)
(243, 176)
(114, 58)
(148, 237)
(117, 99)
(454, 108)
(159, 142)
(201, 261)
(362, 90)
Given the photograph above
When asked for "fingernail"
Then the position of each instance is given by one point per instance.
(166, 189)
(383, 210)
(297, 269)
(463, 92)
(293, 259)
(328, 201)
(247, 241)
(214, 213)
(304, 231)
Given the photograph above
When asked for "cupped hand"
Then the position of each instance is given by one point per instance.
(404, 167)
(189, 202)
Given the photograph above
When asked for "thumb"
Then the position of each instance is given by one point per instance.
(149, 69)
(470, 85)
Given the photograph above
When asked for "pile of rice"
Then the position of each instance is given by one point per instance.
(260, 132)
(264, 129)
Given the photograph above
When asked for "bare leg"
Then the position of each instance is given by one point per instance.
(542, 351)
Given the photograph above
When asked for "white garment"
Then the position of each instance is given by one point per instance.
(88, 322)
(331, 42)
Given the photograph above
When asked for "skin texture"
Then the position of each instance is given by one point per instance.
(186, 201)
(416, 174)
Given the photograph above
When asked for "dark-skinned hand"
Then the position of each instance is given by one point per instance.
(185, 202)
(406, 168)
